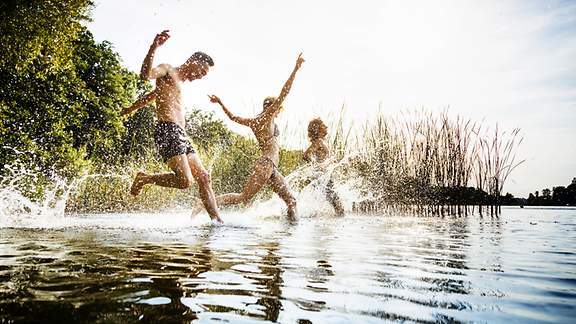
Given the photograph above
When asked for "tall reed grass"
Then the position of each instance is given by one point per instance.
(431, 164)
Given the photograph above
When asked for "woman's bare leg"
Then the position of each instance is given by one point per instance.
(262, 171)
(333, 198)
(280, 187)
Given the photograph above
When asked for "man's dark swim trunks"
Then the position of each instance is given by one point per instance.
(171, 140)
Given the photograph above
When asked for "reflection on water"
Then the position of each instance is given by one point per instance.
(162, 268)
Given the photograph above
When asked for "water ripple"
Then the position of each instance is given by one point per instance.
(352, 269)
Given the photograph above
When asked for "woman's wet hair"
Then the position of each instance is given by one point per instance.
(317, 129)
(202, 57)
(269, 101)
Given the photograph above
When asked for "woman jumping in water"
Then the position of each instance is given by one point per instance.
(266, 167)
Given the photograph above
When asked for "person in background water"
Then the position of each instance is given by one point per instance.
(318, 151)
(266, 167)
(169, 135)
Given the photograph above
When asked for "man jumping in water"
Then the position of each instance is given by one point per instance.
(170, 136)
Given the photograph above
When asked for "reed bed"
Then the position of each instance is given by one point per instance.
(435, 165)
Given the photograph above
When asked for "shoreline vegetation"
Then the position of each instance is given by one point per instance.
(60, 119)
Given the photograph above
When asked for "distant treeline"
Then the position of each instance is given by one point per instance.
(558, 196)
(463, 200)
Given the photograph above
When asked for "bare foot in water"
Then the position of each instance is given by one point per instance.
(197, 208)
(139, 182)
(339, 210)
(292, 216)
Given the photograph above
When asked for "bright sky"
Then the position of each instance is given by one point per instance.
(506, 62)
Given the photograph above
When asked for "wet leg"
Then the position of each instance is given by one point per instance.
(181, 178)
(333, 198)
(280, 187)
(259, 177)
(204, 187)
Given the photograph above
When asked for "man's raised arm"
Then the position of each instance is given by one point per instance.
(147, 72)
(141, 102)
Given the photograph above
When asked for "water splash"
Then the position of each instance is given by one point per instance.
(23, 200)
(309, 185)
(29, 198)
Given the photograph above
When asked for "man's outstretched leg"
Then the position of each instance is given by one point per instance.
(204, 186)
(186, 168)
(181, 178)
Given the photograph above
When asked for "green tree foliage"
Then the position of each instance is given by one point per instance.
(206, 132)
(233, 164)
(61, 91)
(39, 30)
(138, 145)
(103, 87)
(290, 160)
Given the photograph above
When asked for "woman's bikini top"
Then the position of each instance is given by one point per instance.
(275, 134)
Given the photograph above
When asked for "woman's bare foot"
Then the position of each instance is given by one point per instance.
(292, 216)
(139, 182)
(339, 209)
(197, 208)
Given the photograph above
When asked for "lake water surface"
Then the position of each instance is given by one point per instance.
(520, 267)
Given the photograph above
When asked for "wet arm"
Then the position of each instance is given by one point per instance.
(154, 73)
(286, 88)
(147, 72)
(239, 120)
(141, 102)
(234, 118)
(307, 154)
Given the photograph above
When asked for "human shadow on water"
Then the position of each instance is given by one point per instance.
(272, 281)
(178, 267)
(318, 276)
(274, 267)
(270, 276)
(264, 274)
(212, 290)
